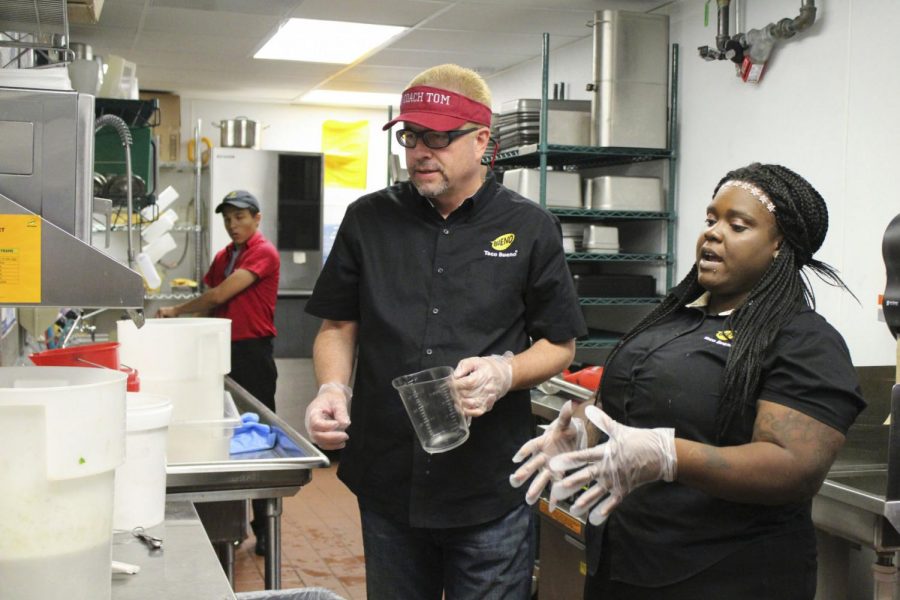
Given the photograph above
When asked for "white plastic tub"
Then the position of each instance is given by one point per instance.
(141, 480)
(64, 436)
(185, 360)
(204, 440)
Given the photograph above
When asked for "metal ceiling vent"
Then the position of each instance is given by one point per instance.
(750, 50)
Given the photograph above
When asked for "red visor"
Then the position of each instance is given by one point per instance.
(440, 110)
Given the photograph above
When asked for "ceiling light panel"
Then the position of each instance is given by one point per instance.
(334, 42)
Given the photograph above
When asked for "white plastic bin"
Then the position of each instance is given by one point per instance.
(185, 360)
(204, 440)
(141, 480)
(64, 436)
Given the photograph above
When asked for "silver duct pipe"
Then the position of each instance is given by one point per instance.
(594, 85)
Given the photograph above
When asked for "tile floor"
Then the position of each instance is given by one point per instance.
(321, 543)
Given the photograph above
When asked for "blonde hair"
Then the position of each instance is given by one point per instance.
(455, 79)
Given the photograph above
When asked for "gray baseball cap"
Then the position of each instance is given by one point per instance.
(239, 199)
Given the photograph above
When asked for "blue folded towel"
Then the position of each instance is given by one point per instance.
(252, 436)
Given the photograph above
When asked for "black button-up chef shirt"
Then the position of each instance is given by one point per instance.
(670, 375)
(428, 292)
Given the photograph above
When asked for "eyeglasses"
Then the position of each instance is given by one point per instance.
(433, 139)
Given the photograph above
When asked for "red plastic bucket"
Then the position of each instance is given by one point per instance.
(104, 354)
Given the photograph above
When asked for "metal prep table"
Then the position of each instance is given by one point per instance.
(269, 475)
(185, 568)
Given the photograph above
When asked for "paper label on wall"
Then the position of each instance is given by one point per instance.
(20, 258)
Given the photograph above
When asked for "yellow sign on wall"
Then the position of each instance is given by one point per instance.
(20, 258)
(346, 149)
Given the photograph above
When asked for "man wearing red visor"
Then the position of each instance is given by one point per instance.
(447, 269)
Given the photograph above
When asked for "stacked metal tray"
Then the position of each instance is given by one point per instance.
(518, 124)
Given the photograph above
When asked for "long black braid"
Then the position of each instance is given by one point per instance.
(802, 217)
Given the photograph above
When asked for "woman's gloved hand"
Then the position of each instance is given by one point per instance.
(482, 380)
(562, 435)
(328, 416)
(630, 458)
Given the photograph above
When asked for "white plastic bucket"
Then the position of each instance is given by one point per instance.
(141, 479)
(64, 436)
(185, 360)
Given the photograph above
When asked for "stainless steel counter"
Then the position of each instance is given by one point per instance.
(270, 474)
(185, 568)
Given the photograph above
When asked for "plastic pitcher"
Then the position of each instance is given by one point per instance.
(64, 436)
(430, 400)
(185, 360)
(141, 480)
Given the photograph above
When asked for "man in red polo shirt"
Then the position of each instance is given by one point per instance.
(243, 287)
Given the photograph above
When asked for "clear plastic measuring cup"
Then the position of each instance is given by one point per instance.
(430, 399)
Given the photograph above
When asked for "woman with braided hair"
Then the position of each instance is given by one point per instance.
(722, 412)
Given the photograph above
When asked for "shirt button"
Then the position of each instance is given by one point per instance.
(435, 311)
(428, 472)
(446, 232)
(440, 269)
(429, 352)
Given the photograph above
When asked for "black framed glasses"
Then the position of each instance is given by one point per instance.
(433, 139)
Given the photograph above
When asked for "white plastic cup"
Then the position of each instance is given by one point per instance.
(141, 481)
(148, 271)
(163, 224)
(163, 201)
(160, 247)
(431, 401)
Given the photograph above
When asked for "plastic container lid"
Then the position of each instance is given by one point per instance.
(147, 411)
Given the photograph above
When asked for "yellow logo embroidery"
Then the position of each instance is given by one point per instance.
(725, 336)
(503, 242)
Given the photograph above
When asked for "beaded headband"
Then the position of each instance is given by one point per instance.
(752, 189)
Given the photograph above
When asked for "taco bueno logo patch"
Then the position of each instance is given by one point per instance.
(500, 245)
(722, 338)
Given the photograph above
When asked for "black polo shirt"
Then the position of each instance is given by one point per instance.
(428, 292)
(670, 376)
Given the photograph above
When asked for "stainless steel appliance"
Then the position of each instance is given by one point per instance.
(630, 78)
(289, 187)
(46, 170)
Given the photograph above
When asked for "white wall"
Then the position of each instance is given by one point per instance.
(825, 108)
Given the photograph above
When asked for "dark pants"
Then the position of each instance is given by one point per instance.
(491, 561)
(766, 569)
(253, 368)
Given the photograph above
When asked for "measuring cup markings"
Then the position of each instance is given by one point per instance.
(429, 400)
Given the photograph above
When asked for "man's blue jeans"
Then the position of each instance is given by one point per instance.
(493, 560)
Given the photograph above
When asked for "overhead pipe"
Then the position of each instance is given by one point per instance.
(756, 43)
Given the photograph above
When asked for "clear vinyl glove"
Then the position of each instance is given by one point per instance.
(328, 416)
(481, 380)
(630, 458)
(564, 434)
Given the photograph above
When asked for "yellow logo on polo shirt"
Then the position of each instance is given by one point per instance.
(503, 242)
(725, 336)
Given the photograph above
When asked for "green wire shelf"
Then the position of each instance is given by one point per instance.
(585, 301)
(591, 256)
(598, 215)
